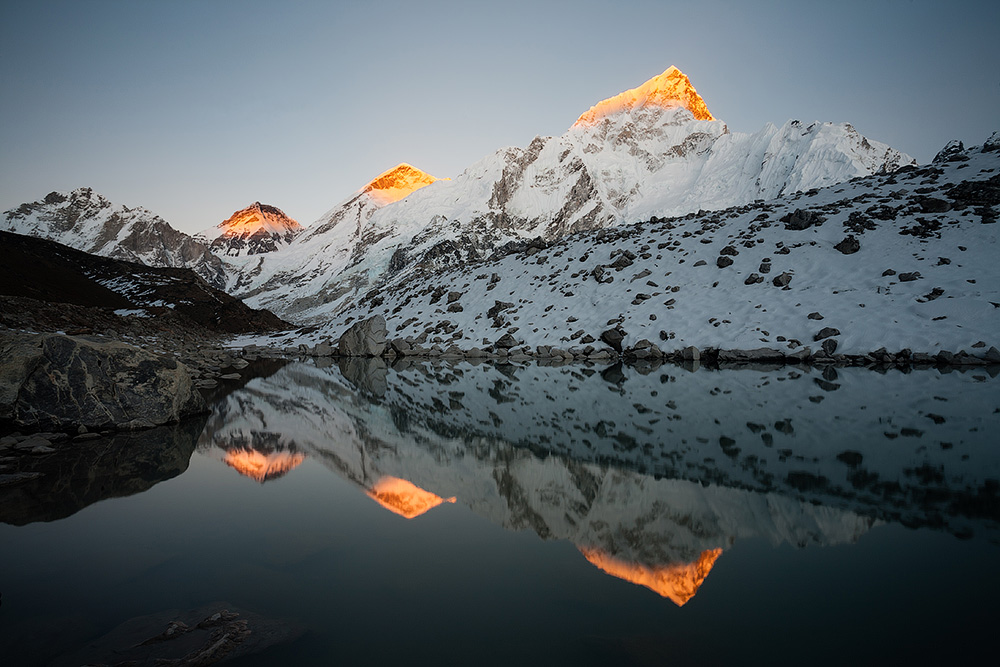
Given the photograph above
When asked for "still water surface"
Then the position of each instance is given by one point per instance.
(460, 514)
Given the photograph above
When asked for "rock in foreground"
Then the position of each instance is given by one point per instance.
(51, 381)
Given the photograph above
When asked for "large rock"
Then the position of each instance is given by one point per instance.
(58, 382)
(366, 338)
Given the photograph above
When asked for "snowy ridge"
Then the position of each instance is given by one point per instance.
(87, 221)
(903, 260)
(635, 160)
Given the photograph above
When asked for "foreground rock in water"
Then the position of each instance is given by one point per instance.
(51, 381)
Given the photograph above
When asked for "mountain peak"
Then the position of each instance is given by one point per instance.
(257, 217)
(397, 183)
(668, 90)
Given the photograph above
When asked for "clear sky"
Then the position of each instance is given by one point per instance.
(195, 109)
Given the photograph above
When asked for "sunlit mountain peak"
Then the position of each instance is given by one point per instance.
(677, 581)
(404, 498)
(397, 183)
(258, 218)
(668, 90)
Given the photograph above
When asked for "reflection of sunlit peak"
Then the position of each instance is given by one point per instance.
(668, 90)
(404, 498)
(397, 183)
(677, 581)
(260, 466)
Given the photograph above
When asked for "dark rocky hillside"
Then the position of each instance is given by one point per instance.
(48, 286)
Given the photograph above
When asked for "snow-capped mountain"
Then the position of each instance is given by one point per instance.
(256, 229)
(85, 220)
(652, 151)
(325, 248)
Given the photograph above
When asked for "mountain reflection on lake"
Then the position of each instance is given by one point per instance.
(829, 513)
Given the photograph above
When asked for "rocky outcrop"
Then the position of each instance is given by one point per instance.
(51, 381)
(366, 338)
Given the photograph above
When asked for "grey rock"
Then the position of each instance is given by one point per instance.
(613, 337)
(505, 342)
(800, 219)
(723, 261)
(366, 338)
(830, 346)
(782, 280)
(848, 246)
(755, 355)
(992, 354)
(61, 382)
(690, 353)
(826, 332)
(909, 277)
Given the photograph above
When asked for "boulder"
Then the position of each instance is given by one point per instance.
(613, 337)
(848, 246)
(59, 382)
(366, 338)
(505, 342)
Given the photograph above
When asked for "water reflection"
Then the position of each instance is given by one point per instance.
(404, 498)
(650, 475)
(79, 475)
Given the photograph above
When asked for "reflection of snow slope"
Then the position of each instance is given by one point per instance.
(633, 473)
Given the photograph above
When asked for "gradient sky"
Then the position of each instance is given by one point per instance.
(196, 109)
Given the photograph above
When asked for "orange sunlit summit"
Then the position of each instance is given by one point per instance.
(397, 183)
(668, 90)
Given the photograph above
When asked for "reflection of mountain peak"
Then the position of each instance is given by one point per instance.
(262, 466)
(404, 498)
(677, 581)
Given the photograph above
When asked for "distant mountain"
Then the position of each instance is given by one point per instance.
(652, 151)
(256, 229)
(85, 220)
(317, 256)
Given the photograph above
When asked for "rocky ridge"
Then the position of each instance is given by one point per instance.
(87, 221)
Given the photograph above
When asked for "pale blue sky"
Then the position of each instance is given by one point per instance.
(196, 109)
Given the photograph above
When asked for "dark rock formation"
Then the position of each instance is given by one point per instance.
(58, 382)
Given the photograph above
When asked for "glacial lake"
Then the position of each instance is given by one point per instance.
(460, 514)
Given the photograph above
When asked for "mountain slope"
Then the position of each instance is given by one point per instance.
(641, 154)
(903, 260)
(85, 220)
(37, 273)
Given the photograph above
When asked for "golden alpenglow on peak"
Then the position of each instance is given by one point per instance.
(397, 183)
(404, 498)
(677, 581)
(668, 90)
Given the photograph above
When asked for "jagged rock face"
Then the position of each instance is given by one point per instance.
(257, 229)
(51, 381)
(651, 151)
(87, 221)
